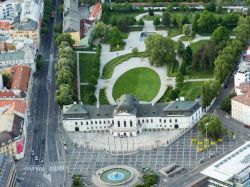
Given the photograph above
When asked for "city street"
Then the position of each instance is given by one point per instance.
(43, 135)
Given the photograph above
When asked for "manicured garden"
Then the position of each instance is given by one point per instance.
(174, 31)
(191, 74)
(195, 46)
(86, 64)
(110, 66)
(190, 90)
(103, 100)
(143, 83)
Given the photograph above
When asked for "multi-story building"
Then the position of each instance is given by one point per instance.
(24, 56)
(71, 20)
(130, 118)
(13, 127)
(242, 75)
(232, 170)
(21, 19)
(7, 172)
(10, 9)
(241, 104)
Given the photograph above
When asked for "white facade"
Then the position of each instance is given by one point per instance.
(9, 9)
(25, 56)
(124, 123)
(242, 75)
(241, 112)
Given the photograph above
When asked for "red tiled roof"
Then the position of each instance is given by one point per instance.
(5, 25)
(14, 105)
(96, 9)
(7, 94)
(21, 75)
(245, 97)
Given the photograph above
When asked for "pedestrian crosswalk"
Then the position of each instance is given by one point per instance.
(41, 168)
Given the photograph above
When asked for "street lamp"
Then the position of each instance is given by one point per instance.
(206, 136)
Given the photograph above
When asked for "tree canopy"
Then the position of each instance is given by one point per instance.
(214, 128)
(160, 49)
(220, 34)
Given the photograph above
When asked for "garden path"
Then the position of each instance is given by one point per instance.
(197, 80)
(131, 64)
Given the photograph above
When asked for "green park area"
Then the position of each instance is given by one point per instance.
(190, 90)
(143, 83)
(86, 65)
(110, 66)
(195, 46)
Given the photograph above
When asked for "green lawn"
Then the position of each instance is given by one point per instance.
(84, 93)
(143, 83)
(174, 31)
(110, 66)
(191, 74)
(150, 18)
(103, 98)
(86, 64)
(119, 15)
(186, 38)
(195, 46)
(190, 90)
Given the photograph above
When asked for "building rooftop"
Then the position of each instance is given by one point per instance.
(8, 94)
(95, 11)
(230, 165)
(71, 16)
(245, 97)
(20, 77)
(181, 108)
(130, 104)
(10, 105)
(244, 67)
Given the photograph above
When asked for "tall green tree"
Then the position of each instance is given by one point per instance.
(166, 19)
(64, 37)
(64, 95)
(220, 34)
(212, 125)
(160, 49)
(207, 22)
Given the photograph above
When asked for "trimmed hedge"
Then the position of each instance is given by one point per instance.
(110, 66)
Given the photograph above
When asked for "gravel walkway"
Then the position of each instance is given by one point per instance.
(131, 64)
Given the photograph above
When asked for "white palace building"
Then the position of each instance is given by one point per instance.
(129, 117)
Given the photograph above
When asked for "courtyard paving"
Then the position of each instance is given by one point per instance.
(105, 141)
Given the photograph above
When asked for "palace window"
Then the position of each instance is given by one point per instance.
(118, 123)
(124, 124)
(131, 124)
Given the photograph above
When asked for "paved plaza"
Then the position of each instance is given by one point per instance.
(106, 141)
(87, 161)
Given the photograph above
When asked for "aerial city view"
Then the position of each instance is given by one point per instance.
(118, 93)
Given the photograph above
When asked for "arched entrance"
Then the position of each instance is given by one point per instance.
(76, 129)
(176, 126)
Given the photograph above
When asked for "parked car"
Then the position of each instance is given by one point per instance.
(228, 117)
(213, 154)
(202, 160)
(32, 153)
(36, 158)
